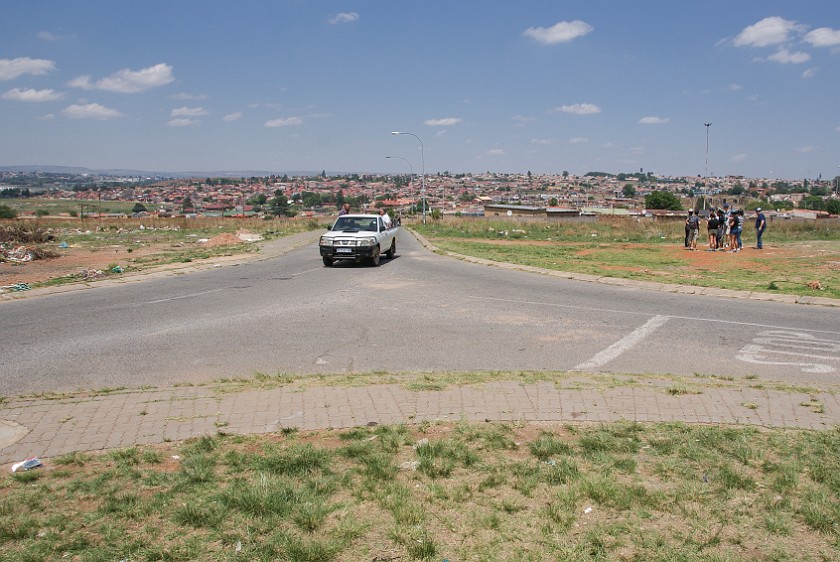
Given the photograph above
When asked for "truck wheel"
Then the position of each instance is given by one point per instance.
(374, 257)
(393, 251)
(328, 261)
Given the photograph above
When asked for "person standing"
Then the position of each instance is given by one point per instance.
(345, 209)
(693, 223)
(721, 230)
(727, 225)
(713, 229)
(737, 230)
(760, 225)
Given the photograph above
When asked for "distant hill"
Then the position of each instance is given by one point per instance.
(75, 170)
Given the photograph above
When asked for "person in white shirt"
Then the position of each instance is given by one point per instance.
(386, 218)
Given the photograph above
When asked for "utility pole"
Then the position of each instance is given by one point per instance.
(706, 177)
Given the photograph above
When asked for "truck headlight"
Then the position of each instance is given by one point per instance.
(366, 242)
(325, 241)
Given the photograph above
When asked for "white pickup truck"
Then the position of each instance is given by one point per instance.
(358, 237)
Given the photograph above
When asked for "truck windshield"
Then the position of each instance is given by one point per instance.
(348, 224)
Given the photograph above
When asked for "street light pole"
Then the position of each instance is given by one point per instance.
(422, 177)
(410, 167)
(706, 178)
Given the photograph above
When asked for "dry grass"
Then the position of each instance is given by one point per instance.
(457, 491)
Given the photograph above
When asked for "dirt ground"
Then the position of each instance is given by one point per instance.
(80, 261)
(75, 261)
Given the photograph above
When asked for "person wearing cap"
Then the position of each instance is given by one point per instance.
(760, 225)
(693, 225)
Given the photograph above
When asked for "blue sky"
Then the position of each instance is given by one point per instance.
(501, 86)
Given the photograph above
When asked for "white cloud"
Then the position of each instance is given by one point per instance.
(189, 97)
(735, 87)
(182, 122)
(12, 68)
(653, 120)
(738, 158)
(47, 117)
(19, 94)
(50, 36)
(188, 112)
(769, 31)
(543, 142)
(783, 56)
(90, 111)
(806, 149)
(578, 140)
(823, 37)
(496, 152)
(810, 73)
(284, 122)
(344, 17)
(561, 32)
(445, 122)
(578, 109)
(230, 117)
(128, 81)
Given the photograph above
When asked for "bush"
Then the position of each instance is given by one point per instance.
(7, 212)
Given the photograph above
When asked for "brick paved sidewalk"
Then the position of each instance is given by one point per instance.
(46, 428)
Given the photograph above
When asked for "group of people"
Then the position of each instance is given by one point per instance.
(725, 227)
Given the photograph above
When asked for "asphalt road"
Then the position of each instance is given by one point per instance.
(417, 312)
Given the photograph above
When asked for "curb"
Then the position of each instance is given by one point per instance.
(645, 285)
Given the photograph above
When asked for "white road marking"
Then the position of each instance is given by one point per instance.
(769, 348)
(624, 344)
(612, 311)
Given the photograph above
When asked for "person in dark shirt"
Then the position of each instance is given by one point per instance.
(760, 225)
(693, 224)
(713, 230)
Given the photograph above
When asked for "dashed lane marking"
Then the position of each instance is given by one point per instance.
(627, 342)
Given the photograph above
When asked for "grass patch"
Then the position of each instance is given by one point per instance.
(458, 491)
(801, 252)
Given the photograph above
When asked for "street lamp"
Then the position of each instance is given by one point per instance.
(423, 195)
(422, 177)
(837, 181)
(706, 179)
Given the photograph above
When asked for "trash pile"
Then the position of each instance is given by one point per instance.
(16, 244)
(27, 464)
(15, 288)
(17, 254)
(25, 234)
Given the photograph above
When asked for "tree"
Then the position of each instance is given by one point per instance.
(187, 204)
(813, 202)
(833, 206)
(553, 202)
(138, 208)
(662, 200)
(280, 204)
(628, 191)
